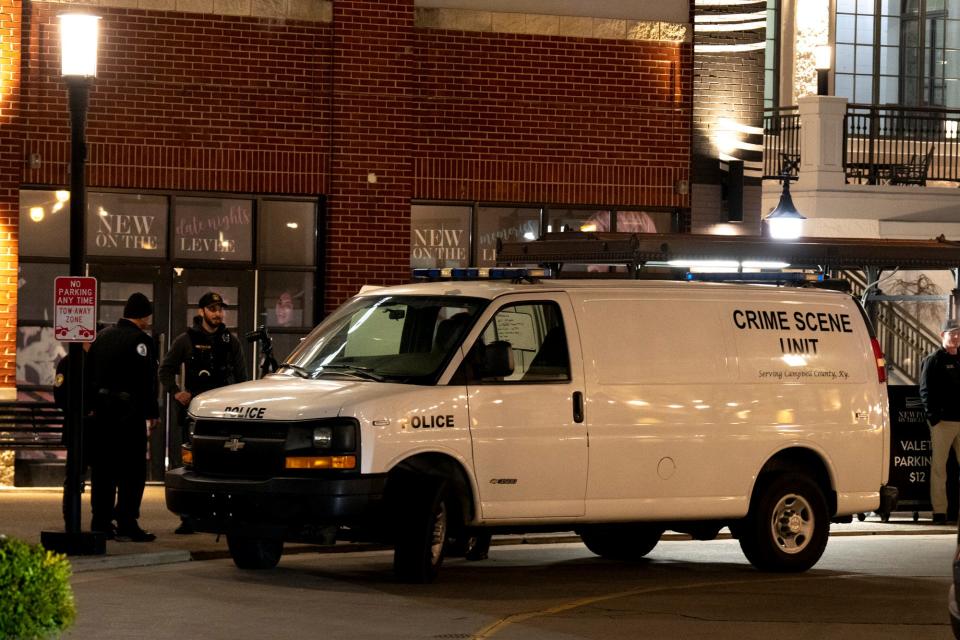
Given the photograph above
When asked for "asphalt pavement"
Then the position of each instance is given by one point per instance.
(24, 513)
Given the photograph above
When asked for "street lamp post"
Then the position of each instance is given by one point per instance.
(78, 47)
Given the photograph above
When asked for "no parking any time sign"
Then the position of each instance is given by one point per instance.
(75, 309)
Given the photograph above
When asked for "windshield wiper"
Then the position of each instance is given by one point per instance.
(301, 371)
(364, 373)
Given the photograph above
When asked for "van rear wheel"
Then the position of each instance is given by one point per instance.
(254, 553)
(621, 541)
(422, 532)
(787, 527)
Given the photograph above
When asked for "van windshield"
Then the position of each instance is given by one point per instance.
(405, 339)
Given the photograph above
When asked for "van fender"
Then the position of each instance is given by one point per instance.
(441, 463)
(802, 457)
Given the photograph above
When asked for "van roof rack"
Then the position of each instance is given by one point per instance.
(639, 251)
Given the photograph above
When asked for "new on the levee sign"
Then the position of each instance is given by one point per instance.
(75, 309)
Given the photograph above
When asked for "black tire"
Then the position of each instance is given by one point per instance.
(424, 518)
(622, 541)
(787, 527)
(254, 553)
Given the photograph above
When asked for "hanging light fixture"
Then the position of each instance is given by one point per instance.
(785, 222)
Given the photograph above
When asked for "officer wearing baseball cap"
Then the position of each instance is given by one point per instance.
(121, 370)
(211, 357)
(940, 392)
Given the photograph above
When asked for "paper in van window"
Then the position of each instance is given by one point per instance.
(517, 329)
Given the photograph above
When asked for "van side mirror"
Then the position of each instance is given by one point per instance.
(497, 360)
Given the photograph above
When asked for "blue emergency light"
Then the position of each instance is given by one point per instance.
(480, 273)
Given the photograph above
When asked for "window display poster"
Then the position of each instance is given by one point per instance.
(124, 224)
(439, 236)
(213, 229)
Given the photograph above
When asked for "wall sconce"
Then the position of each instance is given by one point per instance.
(822, 57)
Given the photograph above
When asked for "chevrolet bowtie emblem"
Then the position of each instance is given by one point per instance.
(234, 444)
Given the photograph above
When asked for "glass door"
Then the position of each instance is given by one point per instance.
(115, 284)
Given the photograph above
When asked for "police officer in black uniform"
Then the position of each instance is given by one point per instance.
(121, 377)
(211, 356)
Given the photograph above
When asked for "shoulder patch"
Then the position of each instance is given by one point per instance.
(225, 337)
(142, 349)
(58, 381)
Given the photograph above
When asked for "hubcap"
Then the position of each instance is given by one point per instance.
(792, 523)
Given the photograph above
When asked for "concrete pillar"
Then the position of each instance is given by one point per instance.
(821, 142)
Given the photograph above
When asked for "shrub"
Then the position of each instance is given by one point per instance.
(35, 595)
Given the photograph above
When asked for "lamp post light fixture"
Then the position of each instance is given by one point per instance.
(785, 222)
(79, 33)
(822, 55)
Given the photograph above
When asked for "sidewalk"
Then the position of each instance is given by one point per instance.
(24, 513)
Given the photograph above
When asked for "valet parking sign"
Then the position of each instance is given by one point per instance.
(75, 309)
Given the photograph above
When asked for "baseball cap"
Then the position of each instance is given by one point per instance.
(950, 325)
(211, 298)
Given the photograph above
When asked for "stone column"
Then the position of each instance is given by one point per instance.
(821, 142)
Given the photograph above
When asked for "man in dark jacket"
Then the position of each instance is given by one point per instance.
(210, 356)
(121, 377)
(940, 392)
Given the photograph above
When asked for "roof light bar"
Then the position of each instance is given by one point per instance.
(480, 273)
(755, 277)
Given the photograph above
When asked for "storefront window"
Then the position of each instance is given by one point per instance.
(287, 300)
(510, 224)
(38, 351)
(45, 223)
(124, 224)
(287, 232)
(643, 222)
(439, 236)
(577, 220)
(114, 295)
(213, 229)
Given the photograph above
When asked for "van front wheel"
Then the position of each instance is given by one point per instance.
(787, 527)
(422, 533)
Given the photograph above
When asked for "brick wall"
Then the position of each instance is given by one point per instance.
(533, 118)
(369, 222)
(370, 110)
(186, 101)
(10, 163)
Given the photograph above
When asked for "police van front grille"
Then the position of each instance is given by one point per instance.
(239, 448)
(258, 449)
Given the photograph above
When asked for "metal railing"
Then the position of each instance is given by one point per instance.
(882, 144)
(905, 341)
(888, 144)
(781, 140)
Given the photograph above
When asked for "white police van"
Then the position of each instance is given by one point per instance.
(428, 413)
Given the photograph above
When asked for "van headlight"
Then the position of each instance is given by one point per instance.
(323, 437)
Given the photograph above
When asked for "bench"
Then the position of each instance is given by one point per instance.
(31, 425)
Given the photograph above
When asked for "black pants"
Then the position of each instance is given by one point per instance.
(118, 471)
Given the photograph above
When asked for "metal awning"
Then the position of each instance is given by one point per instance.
(822, 254)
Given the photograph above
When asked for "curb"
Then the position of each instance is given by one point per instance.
(97, 563)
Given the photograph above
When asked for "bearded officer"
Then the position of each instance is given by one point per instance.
(121, 374)
(211, 357)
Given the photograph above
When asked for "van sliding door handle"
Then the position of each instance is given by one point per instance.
(577, 407)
